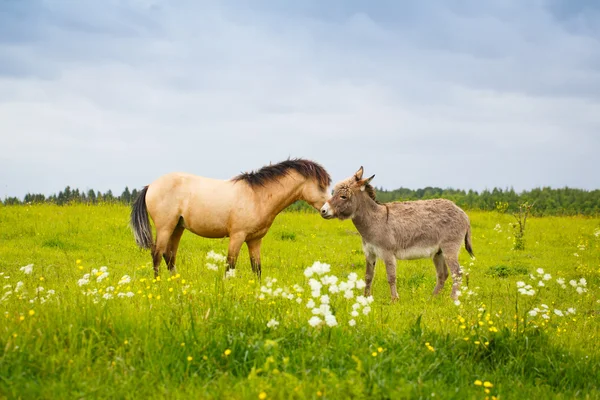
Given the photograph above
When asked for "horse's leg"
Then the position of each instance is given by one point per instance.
(235, 244)
(390, 268)
(163, 235)
(451, 258)
(254, 250)
(171, 252)
(442, 271)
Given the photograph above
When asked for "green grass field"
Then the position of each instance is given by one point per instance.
(198, 335)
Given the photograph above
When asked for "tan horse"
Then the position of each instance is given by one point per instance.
(242, 208)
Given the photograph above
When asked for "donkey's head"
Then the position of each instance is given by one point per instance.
(344, 201)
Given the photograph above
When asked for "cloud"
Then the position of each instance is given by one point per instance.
(452, 94)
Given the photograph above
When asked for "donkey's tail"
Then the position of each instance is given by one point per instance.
(139, 223)
(468, 244)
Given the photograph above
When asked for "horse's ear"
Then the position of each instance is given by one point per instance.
(364, 183)
(358, 174)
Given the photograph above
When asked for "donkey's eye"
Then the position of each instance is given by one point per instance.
(343, 197)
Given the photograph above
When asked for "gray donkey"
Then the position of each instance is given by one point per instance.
(405, 230)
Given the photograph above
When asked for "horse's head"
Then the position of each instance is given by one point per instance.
(315, 193)
(344, 201)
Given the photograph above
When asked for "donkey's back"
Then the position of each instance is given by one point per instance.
(424, 227)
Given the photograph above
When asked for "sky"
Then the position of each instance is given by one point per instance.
(455, 94)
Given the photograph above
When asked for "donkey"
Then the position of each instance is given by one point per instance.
(242, 208)
(406, 230)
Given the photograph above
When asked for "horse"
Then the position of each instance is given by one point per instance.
(406, 230)
(241, 208)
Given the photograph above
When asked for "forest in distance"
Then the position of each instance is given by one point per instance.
(546, 200)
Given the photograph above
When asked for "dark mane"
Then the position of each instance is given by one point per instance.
(271, 173)
(370, 190)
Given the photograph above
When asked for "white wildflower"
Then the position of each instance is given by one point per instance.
(103, 269)
(348, 294)
(370, 299)
(230, 273)
(583, 282)
(314, 321)
(107, 296)
(354, 313)
(544, 306)
(334, 289)
(352, 322)
(102, 276)
(580, 290)
(83, 282)
(50, 292)
(559, 313)
(360, 284)
(315, 285)
(573, 282)
(352, 277)
(110, 289)
(39, 290)
(545, 316)
(540, 271)
(125, 279)
(571, 310)
(457, 302)
(325, 299)
(308, 272)
(547, 277)
(130, 294)
(541, 283)
(211, 255)
(366, 310)
(261, 297)
(212, 267)
(330, 320)
(272, 324)
(299, 300)
(316, 294)
(316, 311)
(533, 313)
(520, 284)
(310, 303)
(28, 269)
(362, 300)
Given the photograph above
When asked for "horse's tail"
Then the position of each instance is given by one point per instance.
(468, 244)
(139, 223)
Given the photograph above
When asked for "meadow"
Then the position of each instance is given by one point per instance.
(82, 317)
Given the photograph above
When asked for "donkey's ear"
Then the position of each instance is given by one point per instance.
(358, 174)
(364, 183)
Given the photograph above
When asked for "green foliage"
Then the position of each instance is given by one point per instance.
(176, 345)
(504, 271)
(564, 201)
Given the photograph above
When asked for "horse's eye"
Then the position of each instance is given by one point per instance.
(343, 197)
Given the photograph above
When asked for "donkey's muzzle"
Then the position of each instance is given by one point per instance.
(326, 211)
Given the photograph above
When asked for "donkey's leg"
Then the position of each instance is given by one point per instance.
(254, 250)
(442, 271)
(371, 259)
(390, 268)
(451, 258)
(171, 253)
(235, 244)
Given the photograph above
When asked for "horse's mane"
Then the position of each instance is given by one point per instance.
(271, 173)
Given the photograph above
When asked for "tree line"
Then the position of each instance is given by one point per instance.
(546, 200)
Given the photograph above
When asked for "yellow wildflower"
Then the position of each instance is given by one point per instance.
(227, 352)
(262, 396)
(31, 312)
(478, 383)
(190, 358)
